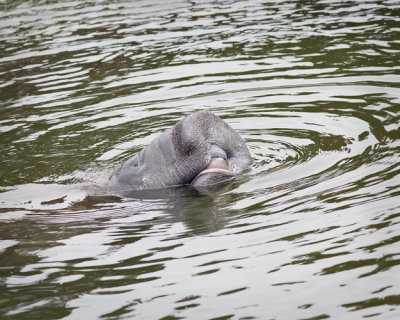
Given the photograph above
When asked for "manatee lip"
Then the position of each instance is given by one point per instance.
(217, 166)
(215, 170)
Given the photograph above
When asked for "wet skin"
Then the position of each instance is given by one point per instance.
(200, 150)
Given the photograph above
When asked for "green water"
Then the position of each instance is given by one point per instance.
(310, 232)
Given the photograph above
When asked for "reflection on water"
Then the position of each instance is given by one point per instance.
(311, 231)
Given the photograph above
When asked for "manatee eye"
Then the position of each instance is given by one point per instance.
(134, 163)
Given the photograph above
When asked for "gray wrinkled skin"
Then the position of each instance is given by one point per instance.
(178, 155)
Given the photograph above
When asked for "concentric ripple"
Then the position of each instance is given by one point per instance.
(311, 231)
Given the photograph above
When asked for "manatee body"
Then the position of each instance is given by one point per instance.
(200, 150)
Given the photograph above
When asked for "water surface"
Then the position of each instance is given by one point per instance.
(310, 232)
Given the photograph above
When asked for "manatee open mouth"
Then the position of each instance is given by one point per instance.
(216, 172)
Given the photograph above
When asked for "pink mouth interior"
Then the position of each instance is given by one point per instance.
(217, 165)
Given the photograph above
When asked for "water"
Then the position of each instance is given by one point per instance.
(310, 232)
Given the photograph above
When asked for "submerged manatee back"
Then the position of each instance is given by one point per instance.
(178, 155)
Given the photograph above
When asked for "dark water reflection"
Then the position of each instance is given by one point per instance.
(310, 232)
